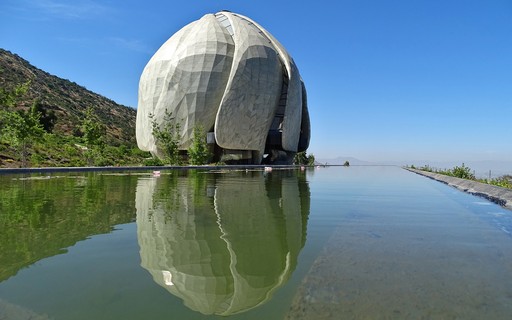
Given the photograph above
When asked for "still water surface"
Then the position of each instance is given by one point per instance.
(328, 243)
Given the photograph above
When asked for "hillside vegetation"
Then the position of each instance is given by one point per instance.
(68, 115)
(46, 121)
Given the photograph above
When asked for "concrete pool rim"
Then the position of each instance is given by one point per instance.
(498, 195)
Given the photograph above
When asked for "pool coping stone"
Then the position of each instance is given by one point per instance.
(498, 195)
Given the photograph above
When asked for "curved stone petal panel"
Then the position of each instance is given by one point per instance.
(185, 77)
(305, 127)
(252, 92)
(293, 111)
(292, 114)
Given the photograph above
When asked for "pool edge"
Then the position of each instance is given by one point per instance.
(498, 195)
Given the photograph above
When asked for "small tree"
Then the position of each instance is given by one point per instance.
(167, 136)
(19, 128)
(311, 160)
(93, 134)
(301, 158)
(198, 153)
(9, 98)
(48, 117)
(346, 164)
(93, 131)
(462, 172)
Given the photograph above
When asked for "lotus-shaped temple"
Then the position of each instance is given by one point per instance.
(228, 75)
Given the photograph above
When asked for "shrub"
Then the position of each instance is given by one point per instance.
(503, 181)
(167, 136)
(198, 153)
(154, 161)
(462, 172)
(301, 158)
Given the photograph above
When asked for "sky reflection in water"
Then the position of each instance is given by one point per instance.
(381, 242)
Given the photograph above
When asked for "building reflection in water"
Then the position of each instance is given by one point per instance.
(223, 243)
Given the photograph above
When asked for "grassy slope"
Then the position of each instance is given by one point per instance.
(69, 102)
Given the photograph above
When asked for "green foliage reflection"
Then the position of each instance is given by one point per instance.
(42, 216)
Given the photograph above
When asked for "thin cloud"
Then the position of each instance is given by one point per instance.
(130, 44)
(79, 9)
(110, 44)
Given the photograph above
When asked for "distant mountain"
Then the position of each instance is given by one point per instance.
(481, 169)
(341, 161)
(67, 100)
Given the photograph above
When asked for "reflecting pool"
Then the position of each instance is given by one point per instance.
(324, 243)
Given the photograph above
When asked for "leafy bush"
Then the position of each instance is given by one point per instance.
(102, 161)
(36, 159)
(462, 172)
(154, 161)
(167, 136)
(503, 181)
(426, 168)
(136, 152)
(301, 158)
(198, 153)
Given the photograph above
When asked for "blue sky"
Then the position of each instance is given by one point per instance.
(395, 80)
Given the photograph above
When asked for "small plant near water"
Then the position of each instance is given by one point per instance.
(93, 136)
(19, 128)
(462, 172)
(167, 136)
(198, 153)
(465, 172)
(503, 181)
(153, 161)
(302, 158)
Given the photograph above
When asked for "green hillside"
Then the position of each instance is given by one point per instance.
(62, 108)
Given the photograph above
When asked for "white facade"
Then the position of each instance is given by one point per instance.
(228, 75)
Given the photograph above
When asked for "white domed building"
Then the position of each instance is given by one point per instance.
(231, 77)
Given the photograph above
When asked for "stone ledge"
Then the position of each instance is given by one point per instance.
(498, 195)
(144, 169)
